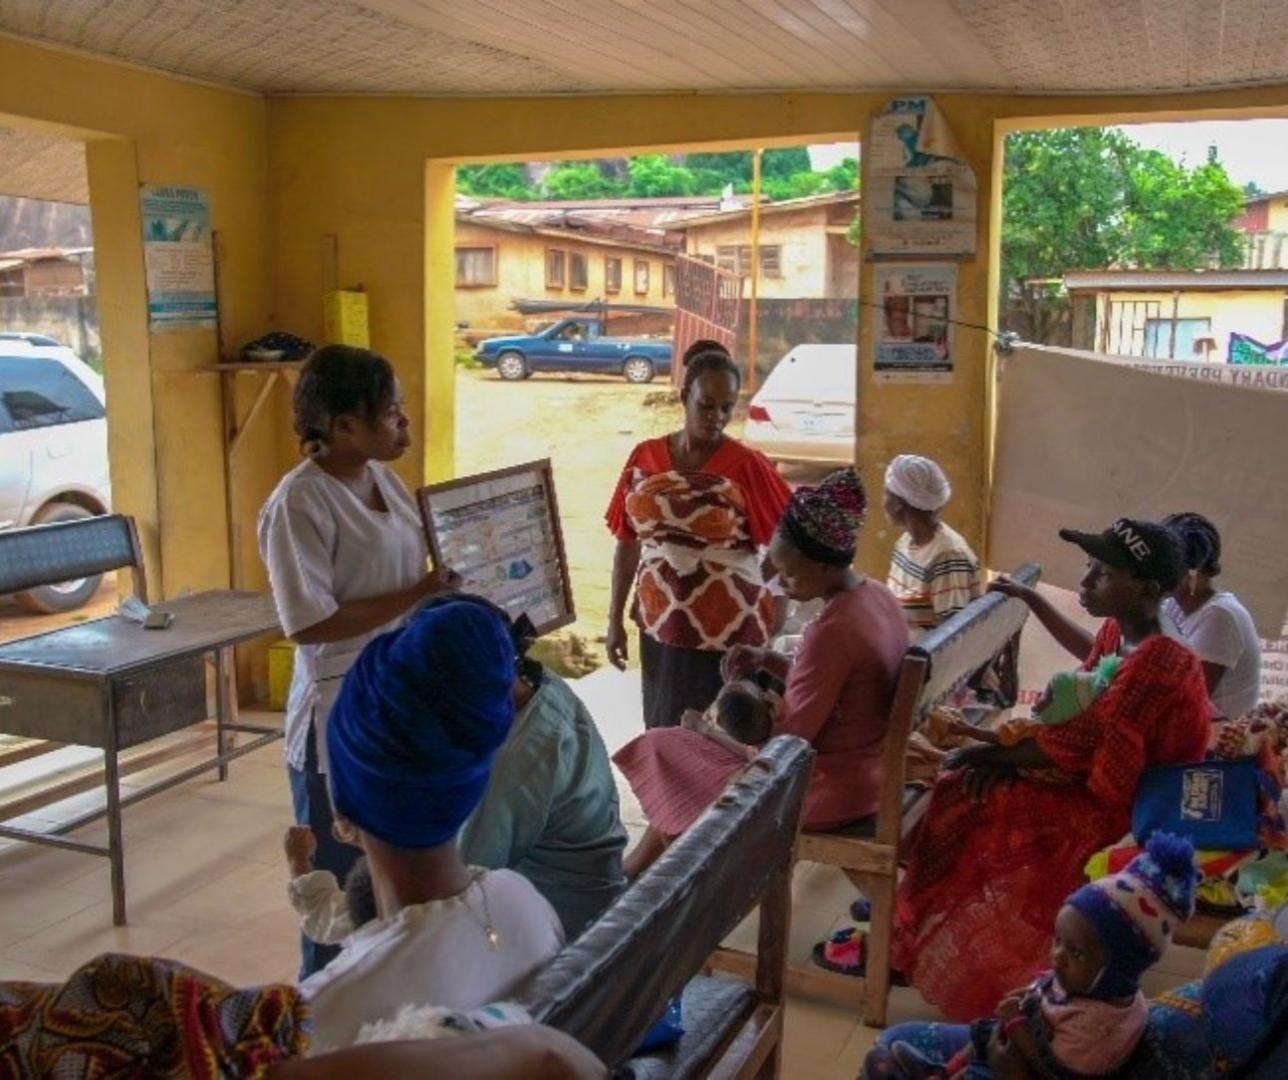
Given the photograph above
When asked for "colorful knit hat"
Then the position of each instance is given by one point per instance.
(824, 521)
(918, 481)
(1136, 910)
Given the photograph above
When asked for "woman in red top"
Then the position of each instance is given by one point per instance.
(691, 513)
(1009, 830)
(839, 686)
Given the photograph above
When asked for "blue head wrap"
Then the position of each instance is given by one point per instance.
(418, 718)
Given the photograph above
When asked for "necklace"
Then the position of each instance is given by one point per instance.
(485, 924)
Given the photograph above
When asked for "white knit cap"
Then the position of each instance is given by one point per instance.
(918, 481)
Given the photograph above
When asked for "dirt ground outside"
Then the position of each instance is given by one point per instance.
(587, 426)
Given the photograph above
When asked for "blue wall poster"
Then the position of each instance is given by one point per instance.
(179, 258)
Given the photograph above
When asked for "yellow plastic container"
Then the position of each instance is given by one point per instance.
(281, 665)
(346, 318)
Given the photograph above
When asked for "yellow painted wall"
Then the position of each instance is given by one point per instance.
(164, 422)
(1259, 313)
(1277, 216)
(800, 235)
(521, 274)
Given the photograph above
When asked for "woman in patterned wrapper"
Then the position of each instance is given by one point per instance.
(692, 514)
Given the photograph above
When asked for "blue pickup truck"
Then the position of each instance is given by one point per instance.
(576, 345)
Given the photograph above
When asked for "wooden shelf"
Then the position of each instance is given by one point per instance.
(255, 365)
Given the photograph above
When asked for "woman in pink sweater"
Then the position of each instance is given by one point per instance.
(838, 687)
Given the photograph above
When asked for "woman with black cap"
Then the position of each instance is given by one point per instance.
(1008, 830)
(838, 687)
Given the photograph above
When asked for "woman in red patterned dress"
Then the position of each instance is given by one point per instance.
(1009, 830)
(692, 514)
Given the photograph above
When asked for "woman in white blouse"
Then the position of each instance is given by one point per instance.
(1215, 625)
(346, 560)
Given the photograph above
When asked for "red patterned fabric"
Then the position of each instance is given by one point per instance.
(139, 1016)
(984, 882)
(699, 584)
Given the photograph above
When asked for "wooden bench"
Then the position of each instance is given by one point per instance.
(868, 851)
(608, 987)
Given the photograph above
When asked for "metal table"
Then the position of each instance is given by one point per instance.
(111, 684)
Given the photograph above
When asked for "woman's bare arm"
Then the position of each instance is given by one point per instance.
(356, 617)
(1072, 637)
(526, 1052)
(626, 560)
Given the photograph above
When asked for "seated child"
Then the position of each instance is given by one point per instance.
(1068, 694)
(1086, 1015)
(328, 914)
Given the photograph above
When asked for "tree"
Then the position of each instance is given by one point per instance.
(500, 181)
(652, 176)
(1253, 190)
(1092, 198)
(581, 180)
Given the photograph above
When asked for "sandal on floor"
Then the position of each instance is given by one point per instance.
(845, 953)
(842, 953)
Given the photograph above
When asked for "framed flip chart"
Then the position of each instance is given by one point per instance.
(501, 532)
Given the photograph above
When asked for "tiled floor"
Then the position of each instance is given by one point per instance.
(206, 885)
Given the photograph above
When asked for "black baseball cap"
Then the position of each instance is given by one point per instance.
(1145, 549)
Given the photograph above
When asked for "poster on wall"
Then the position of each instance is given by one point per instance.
(501, 532)
(914, 334)
(921, 193)
(179, 258)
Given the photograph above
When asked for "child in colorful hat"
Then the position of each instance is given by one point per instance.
(1086, 1015)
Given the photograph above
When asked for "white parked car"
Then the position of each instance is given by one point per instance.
(805, 409)
(53, 450)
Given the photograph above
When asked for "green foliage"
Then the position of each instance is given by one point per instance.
(785, 174)
(581, 180)
(497, 181)
(1092, 198)
(844, 176)
(785, 163)
(652, 176)
(712, 172)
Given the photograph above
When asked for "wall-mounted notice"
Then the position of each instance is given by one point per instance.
(500, 531)
(915, 326)
(921, 193)
(179, 258)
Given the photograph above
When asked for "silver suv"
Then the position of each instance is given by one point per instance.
(53, 450)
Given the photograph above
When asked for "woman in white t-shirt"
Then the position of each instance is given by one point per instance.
(346, 559)
(1213, 623)
(410, 744)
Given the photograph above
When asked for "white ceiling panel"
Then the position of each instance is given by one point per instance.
(473, 47)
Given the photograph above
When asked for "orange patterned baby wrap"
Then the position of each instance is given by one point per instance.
(699, 583)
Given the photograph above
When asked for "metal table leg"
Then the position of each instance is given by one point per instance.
(115, 847)
(225, 704)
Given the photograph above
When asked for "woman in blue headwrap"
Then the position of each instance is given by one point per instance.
(411, 740)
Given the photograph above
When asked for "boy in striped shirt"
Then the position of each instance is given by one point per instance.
(933, 572)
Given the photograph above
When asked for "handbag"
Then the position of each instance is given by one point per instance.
(1212, 803)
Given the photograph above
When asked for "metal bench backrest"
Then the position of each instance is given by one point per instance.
(608, 987)
(67, 550)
